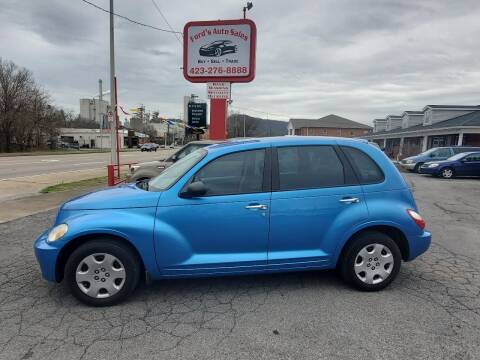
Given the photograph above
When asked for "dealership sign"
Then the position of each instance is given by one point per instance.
(219, 51)
(197, 114)
(218, 90)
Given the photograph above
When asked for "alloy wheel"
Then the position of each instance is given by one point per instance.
(100, 275)
(374, 263)
(447, 173)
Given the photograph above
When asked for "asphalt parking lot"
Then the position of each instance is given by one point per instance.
(432, 311)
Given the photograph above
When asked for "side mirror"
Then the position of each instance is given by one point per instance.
(194, 189)
(173, 157)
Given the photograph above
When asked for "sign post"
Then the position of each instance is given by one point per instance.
(219, 52)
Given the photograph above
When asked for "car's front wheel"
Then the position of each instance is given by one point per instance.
(371, 261)
(447, 173)
(102, 272)
(416, 169)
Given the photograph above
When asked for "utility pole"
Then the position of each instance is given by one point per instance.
(100, 113)
(113, 103)
(244, 125)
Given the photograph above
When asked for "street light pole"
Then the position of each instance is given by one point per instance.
(113, 104)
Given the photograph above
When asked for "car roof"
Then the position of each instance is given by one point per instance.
(289, 140)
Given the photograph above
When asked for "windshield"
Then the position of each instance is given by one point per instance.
(457, 156)
(188, 150)
(171, 174)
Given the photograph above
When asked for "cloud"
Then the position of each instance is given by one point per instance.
(359, 59)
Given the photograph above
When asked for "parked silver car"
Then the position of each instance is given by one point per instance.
(148, 170)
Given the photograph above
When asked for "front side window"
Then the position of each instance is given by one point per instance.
(306, 167)
(473, 157)
(171, 174)
(367, 169)
(236, 173)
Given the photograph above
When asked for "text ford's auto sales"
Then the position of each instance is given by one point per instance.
(220, 50)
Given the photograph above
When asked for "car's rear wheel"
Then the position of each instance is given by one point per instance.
(371, 261)
(102, 272)
(447, 173)
(218, 52)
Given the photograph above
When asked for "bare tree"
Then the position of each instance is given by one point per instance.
(27, 120)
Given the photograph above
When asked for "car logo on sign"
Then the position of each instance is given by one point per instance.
(218, 48)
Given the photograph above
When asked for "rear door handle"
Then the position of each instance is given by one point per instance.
(256, 207)
(350, 200)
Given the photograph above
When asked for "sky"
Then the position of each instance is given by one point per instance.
(358, 59)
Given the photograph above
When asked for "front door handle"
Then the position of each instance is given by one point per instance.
(256, 207)
(350, 200)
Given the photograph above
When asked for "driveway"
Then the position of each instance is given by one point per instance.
(432, 311)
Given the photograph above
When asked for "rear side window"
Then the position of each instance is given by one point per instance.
(306, 167)
(236, 173)
(367, 169)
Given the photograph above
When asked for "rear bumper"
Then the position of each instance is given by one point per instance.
(407, 166)
(46, 256)
(419, 244)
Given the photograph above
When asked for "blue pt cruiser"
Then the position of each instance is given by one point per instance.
(245, 207)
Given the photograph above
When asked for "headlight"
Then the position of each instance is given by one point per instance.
(57, 232)
(134, 168)
(409, 162)
(432, 165)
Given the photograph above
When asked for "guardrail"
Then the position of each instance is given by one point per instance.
(113, 180)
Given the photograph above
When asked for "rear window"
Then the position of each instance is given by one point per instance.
(307, 167)
(367, 169)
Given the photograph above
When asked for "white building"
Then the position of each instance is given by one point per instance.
(93, 109)
(100, 139)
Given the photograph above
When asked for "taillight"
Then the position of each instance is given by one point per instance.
(417, 218)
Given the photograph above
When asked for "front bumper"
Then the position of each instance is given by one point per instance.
(410, 166)
(419, 244)
(46, 255)
(427, 170)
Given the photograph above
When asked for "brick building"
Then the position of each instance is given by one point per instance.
(330, 125)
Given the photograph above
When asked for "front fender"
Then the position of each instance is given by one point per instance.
(133, 225)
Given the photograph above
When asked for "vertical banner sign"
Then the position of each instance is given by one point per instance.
(218, 90)
(197, 115)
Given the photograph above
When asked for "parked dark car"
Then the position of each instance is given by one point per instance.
(218, 48)
(413, 163)
(149, 147)
(463, 164)
(150, 169)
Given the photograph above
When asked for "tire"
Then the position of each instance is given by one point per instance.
(385, 254)
(447, 173)
(416, 169)
(218, 52)
(110, 282)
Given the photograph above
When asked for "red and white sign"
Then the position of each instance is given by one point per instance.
(218, 90)
(110, 116)
(219, 51)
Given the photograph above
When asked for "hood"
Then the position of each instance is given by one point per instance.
(119, 197)
(438, 162)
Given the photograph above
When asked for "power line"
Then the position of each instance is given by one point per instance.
(166, 21)
(131, 20)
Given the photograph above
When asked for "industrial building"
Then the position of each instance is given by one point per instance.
(330, 125)
(434, 126)
(93, 109)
